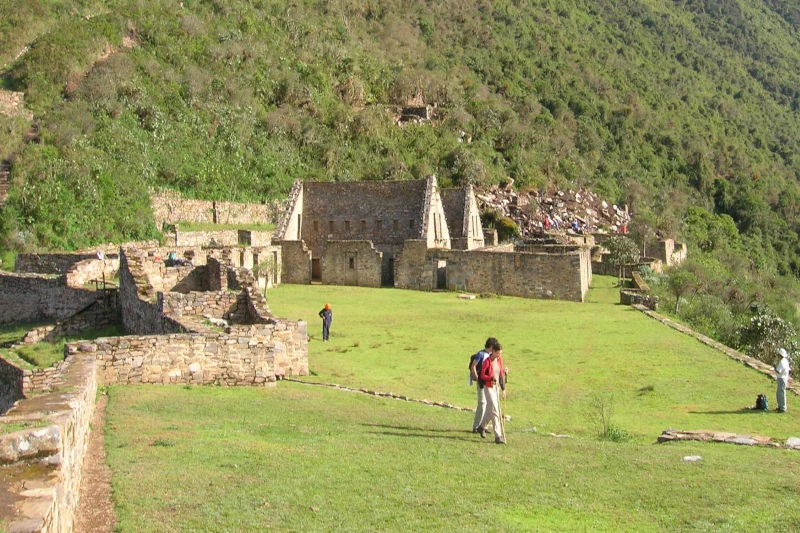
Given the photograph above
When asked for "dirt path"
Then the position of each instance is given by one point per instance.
(95, 513)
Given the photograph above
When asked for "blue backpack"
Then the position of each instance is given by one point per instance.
(475, 358)
(761, 403)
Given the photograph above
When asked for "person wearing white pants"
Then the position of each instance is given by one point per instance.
(783, 379)
(475, 367)
(492, 377)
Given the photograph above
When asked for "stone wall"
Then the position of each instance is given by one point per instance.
(241, 356)
(96, 316)
(10, 385)
(141, 305)
(605, 268)
(296, 263)
(88, 270)
(44, 498)
(220, 304)
(55, 263)
(670, 252)
(33, 297)
(527, 275)
(255, 238)
(228, 237)
(384, 212)
(355, 263)
(170, 207)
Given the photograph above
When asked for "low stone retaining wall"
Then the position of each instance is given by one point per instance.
(237, 357)
(96, 316)
(42, 465)
(229, 237)
(730, 352)
(636, 297)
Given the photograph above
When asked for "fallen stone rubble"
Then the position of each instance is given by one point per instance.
(670, 435)
(531, 209)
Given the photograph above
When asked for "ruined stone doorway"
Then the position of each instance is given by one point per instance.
(316, 270)
(351, 269)
(387, 272)
(441, 275)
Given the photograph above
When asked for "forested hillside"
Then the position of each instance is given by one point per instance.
(684, 109)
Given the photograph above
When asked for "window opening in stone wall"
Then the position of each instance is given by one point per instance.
(363, 225)
(411, 223)
(316, 225)
(394, 225)
(255, 259)
(330, 226)
(379, 224)
(352, 263)
(241, 259)
(436, 227)
(347, 225)
(299, 226)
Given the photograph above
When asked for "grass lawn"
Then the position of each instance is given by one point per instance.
(300, 458)
(46, 354)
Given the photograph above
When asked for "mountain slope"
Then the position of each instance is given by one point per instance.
(664, 105)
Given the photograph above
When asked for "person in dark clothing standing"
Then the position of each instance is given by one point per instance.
(327, 317)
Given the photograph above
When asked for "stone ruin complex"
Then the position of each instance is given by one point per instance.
(414, 235)
(203, 318)
(201, 323)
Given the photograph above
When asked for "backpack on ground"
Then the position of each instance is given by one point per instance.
(761, 403)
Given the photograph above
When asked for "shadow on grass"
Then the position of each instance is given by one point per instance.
(424, 433)
(744, 411)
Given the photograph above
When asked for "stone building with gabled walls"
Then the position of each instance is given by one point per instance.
(350, 233)
(463, 218)
(413, 235)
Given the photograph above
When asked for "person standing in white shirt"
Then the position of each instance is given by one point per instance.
(783, 379)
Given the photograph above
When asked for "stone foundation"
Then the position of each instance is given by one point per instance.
(42, 465)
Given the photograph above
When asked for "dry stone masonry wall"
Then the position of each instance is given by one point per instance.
(43, 498)
(169, 208)
(33, 297)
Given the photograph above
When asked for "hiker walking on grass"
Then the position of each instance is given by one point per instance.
(327, 317)
(783, 379)
(475, 366)
(492, 377)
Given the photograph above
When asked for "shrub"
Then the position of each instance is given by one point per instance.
(765, 333)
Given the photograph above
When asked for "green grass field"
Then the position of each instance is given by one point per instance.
(302, 458)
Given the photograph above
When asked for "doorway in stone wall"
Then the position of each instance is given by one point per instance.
(316, 270)
(441, 274)
(387, 271)
(351, 269)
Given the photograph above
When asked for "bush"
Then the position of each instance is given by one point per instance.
(765, 333)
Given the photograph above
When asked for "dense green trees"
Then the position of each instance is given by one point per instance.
(686, 110)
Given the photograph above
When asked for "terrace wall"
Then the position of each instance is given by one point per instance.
(204, 238)
(170, 207)
(56, 263)
(33, 297)
(44, 499)
(244, 355)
